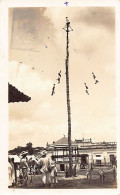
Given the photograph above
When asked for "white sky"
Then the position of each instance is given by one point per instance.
(92, 49)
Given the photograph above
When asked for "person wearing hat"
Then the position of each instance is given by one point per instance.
(24, 167)
(45, 168)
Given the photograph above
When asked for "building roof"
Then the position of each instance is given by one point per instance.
(14, 95)
(63, 140)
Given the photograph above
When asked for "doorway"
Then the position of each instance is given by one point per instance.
(84, 161)
(62, 167)
(112, 159)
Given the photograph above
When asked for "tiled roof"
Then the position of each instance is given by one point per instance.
(63, 140)
(14, 95)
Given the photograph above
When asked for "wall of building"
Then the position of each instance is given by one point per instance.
(95, 156)
(102, 155)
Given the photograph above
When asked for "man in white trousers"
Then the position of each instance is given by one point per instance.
(45, 168)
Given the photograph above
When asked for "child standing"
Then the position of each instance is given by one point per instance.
(102, 175)
(88, 174)
(54, 175)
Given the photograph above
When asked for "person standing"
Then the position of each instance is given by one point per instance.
(13, 171)
(45, 168)
(9, 173)
(24, 167)
(88, 174)
(114, 172)
(102, 175)
(54, 174)
(74, 170)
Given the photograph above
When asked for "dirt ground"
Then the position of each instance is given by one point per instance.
(79, 182)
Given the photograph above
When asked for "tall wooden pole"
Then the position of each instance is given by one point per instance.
(67, 28)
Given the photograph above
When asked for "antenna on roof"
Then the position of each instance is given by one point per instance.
(83, 135)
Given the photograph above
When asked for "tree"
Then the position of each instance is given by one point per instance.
(29, 148)
(29, 145)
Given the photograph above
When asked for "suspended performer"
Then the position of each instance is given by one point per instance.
(86, 86)
(59, 74)
(53, 90)
(94, 77)
(87, 92)
(58, 80)
(96, 81)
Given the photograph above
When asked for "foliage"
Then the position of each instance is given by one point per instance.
(27, 148)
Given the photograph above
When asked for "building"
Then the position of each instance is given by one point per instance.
(60, 152)
(84, 153)
(81, 142)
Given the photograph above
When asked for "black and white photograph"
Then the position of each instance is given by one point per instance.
(62, 97)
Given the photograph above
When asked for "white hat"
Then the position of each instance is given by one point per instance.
(43, 153)
(52, 164)
(23, 153)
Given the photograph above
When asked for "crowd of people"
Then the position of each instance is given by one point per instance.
(22, 173)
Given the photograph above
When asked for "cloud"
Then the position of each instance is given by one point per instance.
(29, 27)
(27, 79)
(30, 83)
(44, 118)
(103, 17)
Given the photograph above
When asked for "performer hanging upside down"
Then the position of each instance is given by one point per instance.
(59, 74)
(59, 77)
(58, 80)
(94, 77)
(86, 86)
(87, 92)
(53, 90)
(96, 81)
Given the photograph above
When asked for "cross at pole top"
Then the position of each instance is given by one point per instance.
(67, 26)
